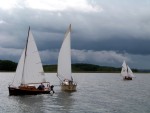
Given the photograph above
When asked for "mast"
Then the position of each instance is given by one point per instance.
(22, 80)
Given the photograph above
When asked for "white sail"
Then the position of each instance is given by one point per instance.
(19, 70)
(130, 73)
(29, 69)
(64, 58)
(124, 69)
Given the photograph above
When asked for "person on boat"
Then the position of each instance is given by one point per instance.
(70, 82)
(52, 88)
(41, 86)
(66, 82)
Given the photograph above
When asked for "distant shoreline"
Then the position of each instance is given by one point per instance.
(9, 66)
(56, 72)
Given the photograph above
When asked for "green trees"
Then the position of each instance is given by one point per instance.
(6, 65)
(9, 66)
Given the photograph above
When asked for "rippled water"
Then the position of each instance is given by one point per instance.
(96, 93)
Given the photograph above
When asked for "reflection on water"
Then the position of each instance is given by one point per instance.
(65, 101)
(59, 102)
(32, 104)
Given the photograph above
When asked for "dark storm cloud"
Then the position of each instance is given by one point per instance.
(115, 29)
(121, 45)
(98, 31)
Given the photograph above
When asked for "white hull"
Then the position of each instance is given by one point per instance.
(71, 87)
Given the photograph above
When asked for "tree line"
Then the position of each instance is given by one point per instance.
(10, 66)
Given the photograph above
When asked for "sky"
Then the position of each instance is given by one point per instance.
(104, 32)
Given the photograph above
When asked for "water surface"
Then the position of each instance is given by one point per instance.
(96, 93)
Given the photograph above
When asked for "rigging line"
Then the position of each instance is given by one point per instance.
(59, 78)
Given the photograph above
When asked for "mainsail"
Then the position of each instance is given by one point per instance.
(29, 69)
(124, 69)
(64, 58)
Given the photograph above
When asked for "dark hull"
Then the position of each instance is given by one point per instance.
(129, 78)
(16, 91)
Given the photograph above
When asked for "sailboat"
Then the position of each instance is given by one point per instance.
(29, 73)
(64, 64)
(126, 72)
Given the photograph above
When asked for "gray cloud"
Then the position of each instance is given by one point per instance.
(132, 46)
(10, 53)
(121, 29)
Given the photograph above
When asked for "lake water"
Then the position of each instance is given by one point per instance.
(96, 93)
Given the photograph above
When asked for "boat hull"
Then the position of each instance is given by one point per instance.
(20, 91)
(69, 88)
(127, 78)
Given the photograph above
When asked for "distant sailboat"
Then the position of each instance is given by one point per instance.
(29, 72)
(126, 72)
(64, 64)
